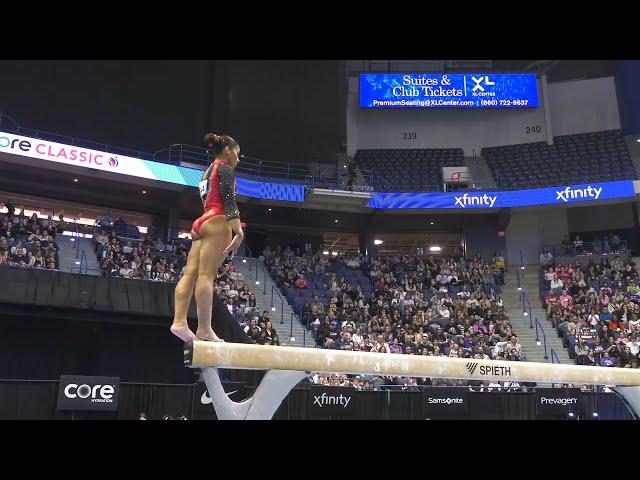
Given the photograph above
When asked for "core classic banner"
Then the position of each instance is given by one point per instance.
(79, 392)
(136, 167)
(517, 198)
(434, 90)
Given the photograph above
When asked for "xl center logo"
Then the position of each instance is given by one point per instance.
(478, 83)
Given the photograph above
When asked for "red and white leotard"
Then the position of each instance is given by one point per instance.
(218, 194)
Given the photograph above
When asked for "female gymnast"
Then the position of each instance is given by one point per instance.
(211, 235)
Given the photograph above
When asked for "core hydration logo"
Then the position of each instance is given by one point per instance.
(491, 370)
(88, 393)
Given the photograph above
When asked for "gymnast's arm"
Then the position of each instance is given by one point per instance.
(228, 194)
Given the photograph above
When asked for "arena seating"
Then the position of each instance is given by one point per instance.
(408, 169)
(595, 309)
(595, 156)
(28, 241)
(410, 305)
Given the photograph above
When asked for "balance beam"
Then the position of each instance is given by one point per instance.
(264, 357)
(286, 366)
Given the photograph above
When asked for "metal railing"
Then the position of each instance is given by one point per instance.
(275, 289)
(526, 308)
(554, 357)
(198, 157)
(524, 179)
(600, 247)
(521, 261)
(544, 337)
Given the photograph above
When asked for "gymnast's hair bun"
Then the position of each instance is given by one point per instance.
(212, 139)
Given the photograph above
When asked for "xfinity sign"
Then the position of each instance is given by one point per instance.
(324, 399)
(469, 200)
(332, 401)
(560, 195)
(569, 193)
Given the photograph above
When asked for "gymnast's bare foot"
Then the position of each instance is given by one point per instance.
(208, 334)
(183, 332)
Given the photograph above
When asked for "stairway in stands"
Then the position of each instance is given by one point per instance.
(263, 293)
(69, 247)
(481, 177)
(522, 324)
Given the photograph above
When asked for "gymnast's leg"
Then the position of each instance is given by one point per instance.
(216, 235)
(184, 292)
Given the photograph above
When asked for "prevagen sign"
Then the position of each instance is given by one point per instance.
(136, 167)
(434, 90)
(517, 198)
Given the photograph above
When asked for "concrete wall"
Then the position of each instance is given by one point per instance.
(583, 106)
(529, 230)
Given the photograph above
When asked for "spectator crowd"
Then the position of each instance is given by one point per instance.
(29, 241)
(595, 308)
(417, 305)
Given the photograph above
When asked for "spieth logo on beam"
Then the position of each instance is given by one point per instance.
(488, 369)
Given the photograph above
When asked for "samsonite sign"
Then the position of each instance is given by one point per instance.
(446, 401)
(88, 393)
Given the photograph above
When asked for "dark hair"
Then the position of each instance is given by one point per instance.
(217, 143)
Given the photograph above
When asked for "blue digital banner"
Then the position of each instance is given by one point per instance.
(435, 90)
(519, 198)
(270, 191)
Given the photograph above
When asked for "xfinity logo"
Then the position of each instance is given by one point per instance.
(569, 193)
(447, 401)
(558, 401)
(324, 399)
(98, 393)
(478, 81)
(466, 200)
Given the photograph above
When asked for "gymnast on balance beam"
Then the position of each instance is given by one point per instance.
(212, 243)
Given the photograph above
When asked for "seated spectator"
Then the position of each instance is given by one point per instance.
(546, 259)
(556, 285)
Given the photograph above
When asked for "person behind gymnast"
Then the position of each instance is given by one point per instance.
(212, 243)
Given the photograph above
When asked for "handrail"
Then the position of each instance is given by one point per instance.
(77, 240)
(521, 261)
(544, 337)
(604, 248)
(83, 260)
(250, 254)
(518, 281)
(554, 356)
(275, 289)
(526, 304)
